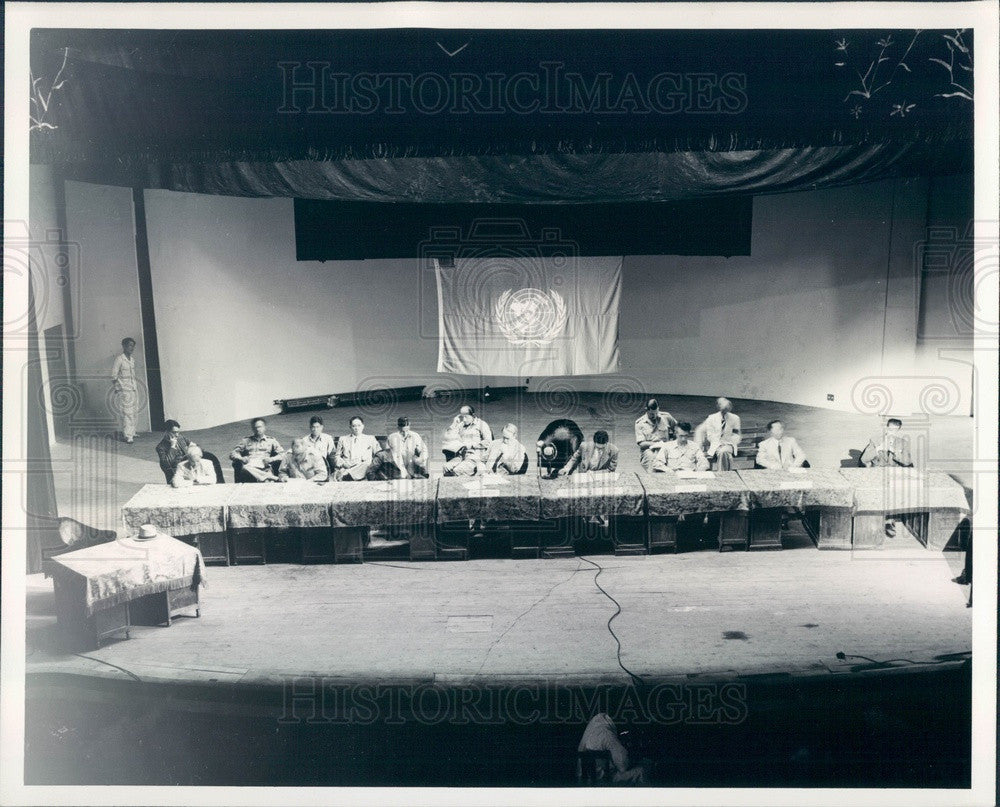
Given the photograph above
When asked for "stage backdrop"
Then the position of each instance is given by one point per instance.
(529, 315)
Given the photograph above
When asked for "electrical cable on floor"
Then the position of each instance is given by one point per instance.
(635, 678)
(102, 661)
(841, 656)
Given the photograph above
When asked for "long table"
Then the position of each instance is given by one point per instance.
(843, 508)
(930, 503)
(673, 496)
(822, 494)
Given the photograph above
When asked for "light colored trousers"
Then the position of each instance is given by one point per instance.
(126, 404)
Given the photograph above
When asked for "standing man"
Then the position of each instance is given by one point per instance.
(507, 456)
(652, 431)
(172, 449)
(408, 451)
(355, 452)
(467, 431)
(681, 454)
(888, 449)
(721, 431)
(596, 455)
(194, 470)
(319, 442)
(779, 450)
(125, 400)
(255, 456)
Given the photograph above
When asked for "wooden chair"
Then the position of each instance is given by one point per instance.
(219, 478)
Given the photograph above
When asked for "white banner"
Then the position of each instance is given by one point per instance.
(529, 316)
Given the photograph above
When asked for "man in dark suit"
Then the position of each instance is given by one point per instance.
(557, 443)
(593, 455)
(172, 449)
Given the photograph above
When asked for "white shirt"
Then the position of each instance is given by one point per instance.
(782, 454)
(123, 372)
(324, 445)
(716, 433)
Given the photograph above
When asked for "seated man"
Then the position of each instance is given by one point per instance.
(779, 450)
(408, 451)
(721, 431)
(256, 457)
(171, 449)
(890, 448)
(507, 455)
(557, 443)
(602, 735)
(302, 463)
(355, 452)
(465, 462)
(652, 431)
(194, 470)
(319, 442)
(593, 455)
(383, 467)
(681, 453)
(467, 431)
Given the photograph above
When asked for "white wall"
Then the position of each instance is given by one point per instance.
(802, 317)
(240, 322)
(105, 306)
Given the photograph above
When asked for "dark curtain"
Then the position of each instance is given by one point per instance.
(493, 116)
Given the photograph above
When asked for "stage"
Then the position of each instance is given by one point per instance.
(271, 640)
(336, 674)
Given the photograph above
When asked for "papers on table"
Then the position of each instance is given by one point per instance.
(486, 485)
(595, 478)
(596, 490)
(798, 470)
(695, 474)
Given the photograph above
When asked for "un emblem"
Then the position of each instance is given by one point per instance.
(530, 316)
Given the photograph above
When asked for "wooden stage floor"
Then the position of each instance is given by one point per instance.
(692, 614)
(696, 614)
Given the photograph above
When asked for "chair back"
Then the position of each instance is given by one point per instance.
(592, 768)
(524, 465)
(77, 535)
(208, 455)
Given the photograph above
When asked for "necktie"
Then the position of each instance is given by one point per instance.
(781, 459)
(723, 427)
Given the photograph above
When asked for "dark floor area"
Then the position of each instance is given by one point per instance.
(898, 729)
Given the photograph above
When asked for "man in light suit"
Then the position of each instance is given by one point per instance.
(194, 470)
(721, 431)
(355, 452)
(888, 449)
(469, 432)
(507, 455)
(779, 451)
(593, 455)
